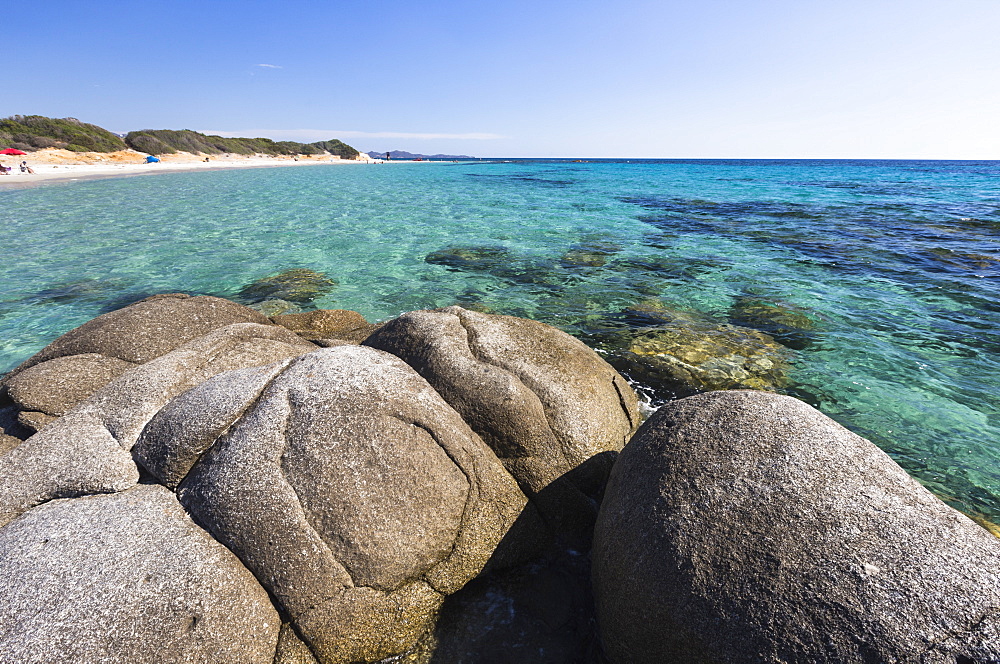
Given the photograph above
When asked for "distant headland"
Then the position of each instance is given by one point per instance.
(403, 154)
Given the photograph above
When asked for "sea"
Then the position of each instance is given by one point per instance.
(887, 270)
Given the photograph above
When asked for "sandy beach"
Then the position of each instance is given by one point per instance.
(55, 164)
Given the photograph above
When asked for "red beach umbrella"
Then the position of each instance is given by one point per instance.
(12, 151)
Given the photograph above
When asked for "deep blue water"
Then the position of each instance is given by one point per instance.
(893, 263)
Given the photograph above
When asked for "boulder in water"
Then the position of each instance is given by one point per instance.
(300, 286)
(783, 321)
(678, 354)
(742, 527)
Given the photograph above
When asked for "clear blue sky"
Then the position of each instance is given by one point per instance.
(632, 78)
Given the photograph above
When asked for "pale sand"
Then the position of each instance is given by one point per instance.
(53, 164)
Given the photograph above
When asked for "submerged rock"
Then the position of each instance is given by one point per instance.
(783, 321)
(678, 354)
(499, 262)
(484, 258)
(593, 252)
(275, 307)
(83, 290)
(300, 286)
(744, 527)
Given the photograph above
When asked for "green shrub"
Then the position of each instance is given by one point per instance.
(339, 148)
(35, 132)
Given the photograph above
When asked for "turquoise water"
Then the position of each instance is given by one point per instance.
(895, 264)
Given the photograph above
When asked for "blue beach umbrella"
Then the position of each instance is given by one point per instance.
(151, 159)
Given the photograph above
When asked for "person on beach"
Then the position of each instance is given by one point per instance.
(26, 169)
(4, 170)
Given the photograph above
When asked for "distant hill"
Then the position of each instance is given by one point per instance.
(37, 132)
(402, 154)
(168, 141)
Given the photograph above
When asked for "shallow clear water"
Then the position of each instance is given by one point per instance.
(894, 263)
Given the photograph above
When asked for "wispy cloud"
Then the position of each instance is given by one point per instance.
(324, 134)
(270, 66)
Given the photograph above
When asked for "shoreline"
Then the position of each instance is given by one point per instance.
(51, 165)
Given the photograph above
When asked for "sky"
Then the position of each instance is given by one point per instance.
(906, 79)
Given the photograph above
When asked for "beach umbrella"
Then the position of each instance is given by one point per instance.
(151, 159)
(12, 151)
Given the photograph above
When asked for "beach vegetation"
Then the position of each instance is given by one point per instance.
(37, 132)
(166, 141)
(339, 148)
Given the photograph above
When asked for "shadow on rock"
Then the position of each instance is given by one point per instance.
(540, 612)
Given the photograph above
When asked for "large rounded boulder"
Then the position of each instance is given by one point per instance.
(348, 486)
(86, 450)
(748, 527)
(551, 409)
(147, 329)
(85, 359)
(127, 578)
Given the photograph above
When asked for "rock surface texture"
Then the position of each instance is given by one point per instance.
(76, 454)
(147, 329)
(80, 362)
(748, 527)
(347, 485)
(339, 499)
(550, 408)
(126, 578)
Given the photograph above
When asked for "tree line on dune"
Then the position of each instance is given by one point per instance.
(37, 132)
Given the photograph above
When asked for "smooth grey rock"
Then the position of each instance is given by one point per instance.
(181, 431)
(147, 329)
(55, 386)
(76, 456)
(127, 404)
(72, 457)
(354, 492)
(126, 578)
(552, 410)
(748, 527)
